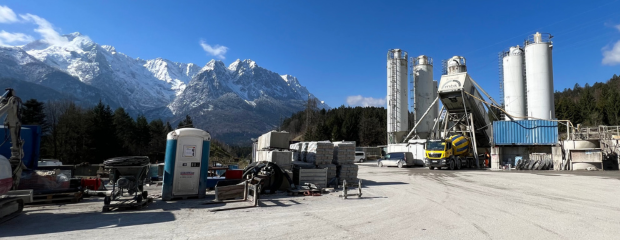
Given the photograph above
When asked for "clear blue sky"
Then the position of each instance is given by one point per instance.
(338, 48)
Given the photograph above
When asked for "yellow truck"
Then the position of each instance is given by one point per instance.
(452, 153)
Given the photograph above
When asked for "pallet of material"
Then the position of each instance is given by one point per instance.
(331, 170)
(73, 197)
(343, 153)
(319, 153)
(348, 172)
(274, 140)
(317, 177)
(231, 191)
(283, 159)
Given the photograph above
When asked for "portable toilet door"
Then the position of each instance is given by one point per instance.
(186, 163)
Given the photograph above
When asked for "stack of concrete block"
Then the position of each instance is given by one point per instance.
(343, 153)
(348, 172)
(320, 153)
(283, 159)
(273, 140)
(297, 151)
(331, 170)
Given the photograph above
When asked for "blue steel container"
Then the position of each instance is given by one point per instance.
(31, 134)
(525, 132)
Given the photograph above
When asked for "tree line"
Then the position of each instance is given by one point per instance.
(365, 125)
(76, 134)
(594, 105)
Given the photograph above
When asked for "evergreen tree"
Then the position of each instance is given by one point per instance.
(168, 128)
(186, 123)
(157, 145)
(142, 135)
(125, 129)
(71, 138)
(33, 113)
(101, 134)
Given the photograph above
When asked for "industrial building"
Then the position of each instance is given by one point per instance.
(528, 132)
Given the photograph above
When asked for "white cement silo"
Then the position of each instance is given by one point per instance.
(424, 95)
(514, 83)
(397, 92)
(539, 77)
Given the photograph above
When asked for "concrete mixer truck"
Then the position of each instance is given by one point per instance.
(452, 153)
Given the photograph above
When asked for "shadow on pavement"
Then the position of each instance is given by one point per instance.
(373, 183)
(48, 222)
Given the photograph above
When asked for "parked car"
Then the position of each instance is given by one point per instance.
(397, 159)
(360, 156)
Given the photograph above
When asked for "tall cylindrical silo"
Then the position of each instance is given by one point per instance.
(539, 77)
(514, 84)
(424, 94)
(397, 92)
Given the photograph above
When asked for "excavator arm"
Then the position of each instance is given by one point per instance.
(11, 205)
(9, 107)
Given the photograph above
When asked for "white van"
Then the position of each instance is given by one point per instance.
(360, 156)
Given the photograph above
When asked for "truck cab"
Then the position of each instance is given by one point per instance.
(438, 152)
(453, 153)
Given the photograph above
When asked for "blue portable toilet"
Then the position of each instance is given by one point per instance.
(186, 163)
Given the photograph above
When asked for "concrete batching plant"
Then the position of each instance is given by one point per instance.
(539, 76)
(397, 110)
(514, 83)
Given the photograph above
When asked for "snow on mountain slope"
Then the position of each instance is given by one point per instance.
(105, 68)
(17, 66)
(221, 96)
(174, 73)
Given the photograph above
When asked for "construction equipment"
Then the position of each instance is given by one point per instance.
(345, 188)
(453, 153)
(465, 110)
(127, 174)
(11, 169)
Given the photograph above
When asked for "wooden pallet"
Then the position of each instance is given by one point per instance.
(73, 197)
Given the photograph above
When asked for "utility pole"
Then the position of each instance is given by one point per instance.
(308, 113)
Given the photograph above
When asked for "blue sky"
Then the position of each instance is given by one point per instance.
(337, 49)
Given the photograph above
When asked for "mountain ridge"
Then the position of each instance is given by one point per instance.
(160, 88)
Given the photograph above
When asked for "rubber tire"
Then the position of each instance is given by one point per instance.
(400, 164)
(431, 168)
(458, 163)
(107, 200)
(361, 160)
(139, 198)
(145, 194)
(451, 165)
(380, 164)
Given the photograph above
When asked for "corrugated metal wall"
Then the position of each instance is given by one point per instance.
(525, 132)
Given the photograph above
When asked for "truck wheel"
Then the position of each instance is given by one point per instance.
(400, 165)
(431, 168)
(458, 163)
(361, 160)
(451, 165)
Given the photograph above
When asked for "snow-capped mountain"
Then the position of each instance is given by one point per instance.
(219, 98)
(174, 73)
